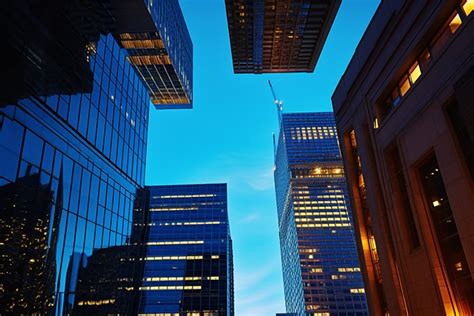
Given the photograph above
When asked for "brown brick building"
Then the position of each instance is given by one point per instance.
(405, 115)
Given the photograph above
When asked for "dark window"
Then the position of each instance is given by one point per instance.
(48, 157)
(447, 235)
(461, 118)
(32, 148)
(11, 136)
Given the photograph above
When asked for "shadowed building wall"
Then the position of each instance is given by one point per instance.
(404, 110)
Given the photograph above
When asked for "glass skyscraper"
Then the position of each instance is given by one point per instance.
(186, 252)
(321, 270)
(73, 131)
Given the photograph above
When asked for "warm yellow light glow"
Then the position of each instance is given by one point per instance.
(185, 196)
(190, 223)
(169, 287)
(175, 258)
(468, 7)
(100, 302)
(140, 44)
(168, 243)
(149, 60)
(404, 86)
(172, 209)
(358, 291)
(191, 278)
(354, 269)
(376, 123)
(323, 225)
(159, 314)
(436, 203)
(455, 23)
(415, 72)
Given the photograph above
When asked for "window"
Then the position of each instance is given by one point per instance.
(468, 7)
(404, 86)
(455, 23)
(445, 229)
(395, 97)
(459, 115)
(415, 72)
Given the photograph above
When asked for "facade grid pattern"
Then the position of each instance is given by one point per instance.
(312, 202)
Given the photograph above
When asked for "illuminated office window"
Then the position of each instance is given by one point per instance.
(467, 6)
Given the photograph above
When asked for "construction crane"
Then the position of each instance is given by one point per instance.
(279, 108)
(278, 103)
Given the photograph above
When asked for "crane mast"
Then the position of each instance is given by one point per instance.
(278, 103)
(279, 108)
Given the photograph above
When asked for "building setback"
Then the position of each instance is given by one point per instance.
(404, 112)
(73, 132)
(271, 36)
(321, 273)
(187, 252)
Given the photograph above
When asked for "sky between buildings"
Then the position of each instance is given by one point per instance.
(227, 137)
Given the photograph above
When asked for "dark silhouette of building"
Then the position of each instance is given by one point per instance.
(27, 252)
(271, 36)
(49, 47)
(73, 135)
(404, 111)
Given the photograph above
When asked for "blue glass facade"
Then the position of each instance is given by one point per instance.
(73, 131)
(160, 49)
(321, 270)
(188, 268)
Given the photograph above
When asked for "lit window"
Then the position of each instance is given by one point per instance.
(404, 86)
(357, 291)
(455, 23)
(468, 7)
(415, 72)
(376, 123)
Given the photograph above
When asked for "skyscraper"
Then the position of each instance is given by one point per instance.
(268, 36)
(321, 273)
(187, 252)
(73, 131)
(404, 111)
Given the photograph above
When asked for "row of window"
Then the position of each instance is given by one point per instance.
(421, 64)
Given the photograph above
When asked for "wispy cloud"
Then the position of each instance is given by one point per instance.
(250, 218)
(261, 180)
(256, 293)
(269, 308)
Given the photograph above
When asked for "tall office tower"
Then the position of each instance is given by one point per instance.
(404, 111)
(73, 131)
(187, 252)
(271, 36)
(321, 273)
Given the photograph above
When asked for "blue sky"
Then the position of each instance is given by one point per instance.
(227, 137)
